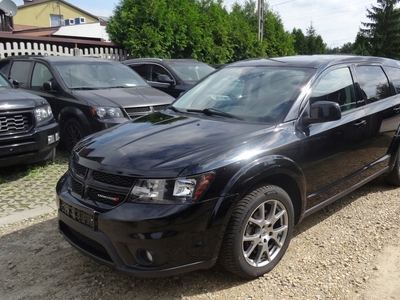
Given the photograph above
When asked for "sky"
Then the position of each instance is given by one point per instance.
(336, 21)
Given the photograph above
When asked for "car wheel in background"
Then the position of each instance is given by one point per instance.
(258, 232)
(72, 133)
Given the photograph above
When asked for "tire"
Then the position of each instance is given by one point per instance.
(72, 133)
(253, 245)
(51, 157)
(393, 177)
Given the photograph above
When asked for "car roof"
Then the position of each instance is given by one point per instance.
(314, 61)
(166, 60)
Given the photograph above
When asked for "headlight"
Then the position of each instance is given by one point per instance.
(167, 191)
(107, 112)
(43, 113)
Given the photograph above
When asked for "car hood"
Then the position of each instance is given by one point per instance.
(17, 99)
(164, 145)
(125, 97)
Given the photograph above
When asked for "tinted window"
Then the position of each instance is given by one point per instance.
(140, 69)
(156, 70)
(336, 86)
(394, 74)
(41, 74)
(373, 83)
(20, 72)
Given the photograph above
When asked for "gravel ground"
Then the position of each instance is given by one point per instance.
(349, 250)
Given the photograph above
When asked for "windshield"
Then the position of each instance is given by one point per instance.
(3, 82)
(255, 94)
(190, 72)
(98, 74)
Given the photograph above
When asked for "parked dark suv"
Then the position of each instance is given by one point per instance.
(28, 130)
(228, 170)
(173, 76)
(86, 94)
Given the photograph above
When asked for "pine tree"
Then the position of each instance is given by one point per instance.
(383, 32)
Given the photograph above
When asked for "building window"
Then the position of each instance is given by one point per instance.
(55, 20)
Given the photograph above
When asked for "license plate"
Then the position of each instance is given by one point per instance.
(83, 217)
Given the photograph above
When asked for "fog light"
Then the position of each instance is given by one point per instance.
(147, 257)
(57, 135)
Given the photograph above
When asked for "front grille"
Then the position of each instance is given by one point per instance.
(79, 169)
(160, 107)
(137, 111)
(76, 187)
(99, 189)
(15, 123)
(113, 179)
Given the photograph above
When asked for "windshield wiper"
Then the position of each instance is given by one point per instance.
(84, 88)
(174, 109)
(213, 111)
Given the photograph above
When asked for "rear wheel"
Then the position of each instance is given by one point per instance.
(258, 232)
(72, 134)
(393, 177)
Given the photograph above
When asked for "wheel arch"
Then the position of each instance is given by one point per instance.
(274, 170)
(73, 112)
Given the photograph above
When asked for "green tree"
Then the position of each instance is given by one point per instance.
(362, 45)
(315, 43)
(382, 33)
(277, 42)
(300, 42)
(243, 35)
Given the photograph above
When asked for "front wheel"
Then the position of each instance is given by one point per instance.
(258, 232)
(72, 134)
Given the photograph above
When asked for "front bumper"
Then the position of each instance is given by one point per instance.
(177, 238)
(30, 147)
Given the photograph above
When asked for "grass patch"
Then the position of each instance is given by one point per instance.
(14, 173)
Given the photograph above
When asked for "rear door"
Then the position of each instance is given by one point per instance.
(382, 106)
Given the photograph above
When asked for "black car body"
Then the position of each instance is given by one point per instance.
(28, 130)
(86, 94)
(173, 76)
(228, 170)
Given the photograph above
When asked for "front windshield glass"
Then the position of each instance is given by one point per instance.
(255, 94)
(4, 83)
(190, 72)
(98, 74)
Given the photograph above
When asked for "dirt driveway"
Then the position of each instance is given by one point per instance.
(349, 250)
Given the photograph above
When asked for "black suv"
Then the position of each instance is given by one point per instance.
(28, 131)
(173, 76)
(86, 94)
(228, 170)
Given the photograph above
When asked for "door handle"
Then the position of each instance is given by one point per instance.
(360, 123)
(396, 109)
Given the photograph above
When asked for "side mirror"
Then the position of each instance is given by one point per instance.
(323, 111)
(164, 78)
(49, 86)
(15, 83)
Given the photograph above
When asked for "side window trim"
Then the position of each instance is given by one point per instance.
(150, 67)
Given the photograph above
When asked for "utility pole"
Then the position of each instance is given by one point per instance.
(260, 19)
